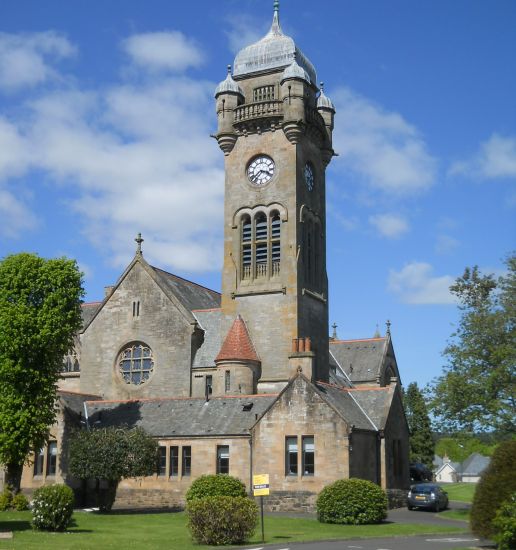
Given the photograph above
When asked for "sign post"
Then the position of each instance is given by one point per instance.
(261, 489)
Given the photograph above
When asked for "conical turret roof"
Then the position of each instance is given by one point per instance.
(238, 345)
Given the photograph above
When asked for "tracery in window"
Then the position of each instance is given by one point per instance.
(71, 363)
(136, 363)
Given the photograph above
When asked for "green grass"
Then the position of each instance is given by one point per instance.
(156, 531)
(462, 514)
(462, 492)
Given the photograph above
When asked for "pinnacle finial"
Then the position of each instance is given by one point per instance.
(276, 6)
(139, 242)
(334, 327)
(321, 84)
(275, 29)
(229, 69)
(388, 324)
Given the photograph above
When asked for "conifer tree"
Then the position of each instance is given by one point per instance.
(422, 445)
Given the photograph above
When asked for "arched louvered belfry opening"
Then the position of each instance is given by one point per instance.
(247, 252)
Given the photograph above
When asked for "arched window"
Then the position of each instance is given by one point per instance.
(135, 363)
(260, 244)
(246, 247)
(275, 243)
(261, 248)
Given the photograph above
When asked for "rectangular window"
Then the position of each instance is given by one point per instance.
(264, 93)
(174, 461)
(187, 461)
(162, 461)
(227, 381)
(38, 463)
(308, 456)
(291, 456)
(208, 389)
(222, 459)
(52, 458)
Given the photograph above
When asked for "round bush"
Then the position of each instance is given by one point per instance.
(504, 524)
(496, 485)
(52, 507)
(352, 501)
(6, 498)
(220, 485)
(20, 502)
(221, 519)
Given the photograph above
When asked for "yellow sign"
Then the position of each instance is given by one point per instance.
(261, 485)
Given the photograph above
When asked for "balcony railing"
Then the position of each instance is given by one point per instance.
(261, 109)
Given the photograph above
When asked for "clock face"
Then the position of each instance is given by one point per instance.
(309, 176)
(260, 170)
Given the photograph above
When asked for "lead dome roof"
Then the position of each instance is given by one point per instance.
(274, 50)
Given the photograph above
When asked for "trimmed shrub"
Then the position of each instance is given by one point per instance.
(222, 519)
(20, 502)
(352, 501)
(6, 498)
(52, 507)
(220, 485)
(504, 524)
(496, 485)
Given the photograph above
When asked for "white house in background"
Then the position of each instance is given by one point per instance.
(448, 472)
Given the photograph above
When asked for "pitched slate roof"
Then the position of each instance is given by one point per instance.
(346, 406)
(475, 464)
(361, 360)
(183, 417)
(209, 320)
(191, 295)
(88, 311)
(237, 345)
(376, 402)
(75, 401)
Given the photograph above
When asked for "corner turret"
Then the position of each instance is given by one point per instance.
(229, 96)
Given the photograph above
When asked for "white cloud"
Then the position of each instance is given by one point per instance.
(415, 284)
(391, 226)
(446, 244)
(15, 215)
(380, 147)
(134, 156)
(25, 58)
(496, 158)
(163, 51)
(242, 31)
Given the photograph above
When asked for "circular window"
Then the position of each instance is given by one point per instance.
(136, 363)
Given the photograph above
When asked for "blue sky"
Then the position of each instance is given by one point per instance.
(106, 110)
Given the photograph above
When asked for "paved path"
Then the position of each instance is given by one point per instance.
(399, 515)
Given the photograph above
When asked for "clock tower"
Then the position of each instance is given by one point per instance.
(275, 129)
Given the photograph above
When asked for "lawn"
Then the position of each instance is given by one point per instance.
(461, 514)
(462, 492)
(168, 530)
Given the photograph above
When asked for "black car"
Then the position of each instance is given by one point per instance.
(427, 495)
(419, 472)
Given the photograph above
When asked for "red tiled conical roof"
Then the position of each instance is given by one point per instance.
(238, 345)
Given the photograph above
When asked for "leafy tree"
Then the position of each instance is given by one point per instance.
(422, 446)
(476, 391)
(111, 454)
(39, 315)
(459, 447)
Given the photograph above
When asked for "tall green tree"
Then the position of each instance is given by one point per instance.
(475, 393)
(422, 446)
(111, 454)
(39, 315)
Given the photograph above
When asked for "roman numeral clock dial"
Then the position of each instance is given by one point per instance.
(260, 170)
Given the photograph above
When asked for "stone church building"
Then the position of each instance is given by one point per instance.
(247, 381)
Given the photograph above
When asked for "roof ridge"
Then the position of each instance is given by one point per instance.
(357, 340)
(183, 279)
(91, 303)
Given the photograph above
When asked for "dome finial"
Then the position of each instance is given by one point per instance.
(275, 28)
(229, 69)
(321, 84)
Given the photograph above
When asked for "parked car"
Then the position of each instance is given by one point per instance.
(427, 495)
(419, 472)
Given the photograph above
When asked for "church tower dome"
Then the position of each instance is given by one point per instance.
(273, 51)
